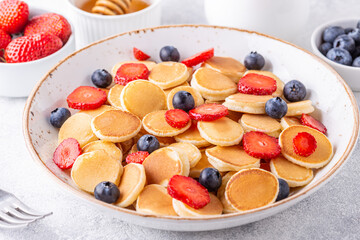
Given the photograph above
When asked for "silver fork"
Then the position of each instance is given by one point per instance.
(14, 213)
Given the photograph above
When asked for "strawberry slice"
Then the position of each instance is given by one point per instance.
(137, 157)
(199, 58)
(188, 191)
(304, 144)
(177, 118)
(257, 84)
(264, 164)
(260, 145)
(131, 71)
(309, 121)
(66, 153)
(86, 98)
(140, 55)
(208, 112)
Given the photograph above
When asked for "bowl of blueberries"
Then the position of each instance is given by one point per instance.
(338, 43)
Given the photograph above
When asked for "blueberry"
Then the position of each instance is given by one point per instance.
(254, 61)
(356, 62)
(276, 108)
(347, 30)
(101, 78)
(148, 143)
(294, 91)
(356, 52)
(169, 53)
(358, 24)
(59, 116)
(211, 179)
(330, 33)
(284, 189)
(325, 47)
(183, 100)
(355, 34)
(344, 42)
(339, 55)
(107, 192)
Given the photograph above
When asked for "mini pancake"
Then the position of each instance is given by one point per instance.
(261, 123)
(211, 101)
(77, 126)
(228, 66)
(222, 132)
(161, 165)
(114, 96)
(221, 193)
(155, 200)
(279, 83)
(155, 124)
(289, 121)
(298, 108)
(251, 188)
(93, 113)
(233, 158)
(247, 103)
(192, 135)
(192, 152)
(149, 64)
(141, 97)
(323, 152)
(109, 147)
(201, 165)
(293, 174)
(167, 91)
(184, 161)
(196, 95)
(116, 125)
(214, 207)
(169, 74)
(131, 184)
(213, 84)
(86, 172)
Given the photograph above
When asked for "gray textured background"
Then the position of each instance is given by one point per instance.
(331, 213)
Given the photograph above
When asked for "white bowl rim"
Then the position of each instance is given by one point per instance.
(53, 55)
(318, 31)
(104, 17)
(83, 195)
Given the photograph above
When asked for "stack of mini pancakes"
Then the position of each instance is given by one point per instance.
(109, 133)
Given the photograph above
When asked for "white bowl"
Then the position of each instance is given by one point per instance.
(349, 73)
(334, 101)
(93, 27)
(17, 79)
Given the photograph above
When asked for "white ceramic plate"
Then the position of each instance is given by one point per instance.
(334, 101)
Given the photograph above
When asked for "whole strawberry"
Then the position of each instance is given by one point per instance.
(33, 47)
(5, 39)
(50, 23)
(13, 15)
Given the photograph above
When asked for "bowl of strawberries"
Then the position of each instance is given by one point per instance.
(32, 40)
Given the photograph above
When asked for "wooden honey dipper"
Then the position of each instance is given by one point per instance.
(111, 7)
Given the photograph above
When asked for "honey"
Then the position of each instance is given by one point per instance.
(136, 5)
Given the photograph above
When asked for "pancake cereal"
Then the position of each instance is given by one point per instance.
(221, 136)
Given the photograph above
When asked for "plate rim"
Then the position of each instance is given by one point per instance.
(298, 196)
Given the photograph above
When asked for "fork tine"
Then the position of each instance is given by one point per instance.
(20, 215)
(4, 224)
(13, 220)
(23, 208)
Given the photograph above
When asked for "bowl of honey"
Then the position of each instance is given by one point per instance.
(98, 19)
